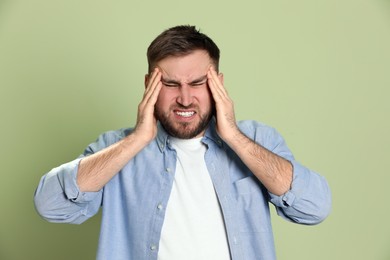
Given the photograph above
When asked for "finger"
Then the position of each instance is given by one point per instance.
(218, 84)
(213, 88)
(153, 83)
(154, 94)
(149, 102)
(154, 77)
(217, 89)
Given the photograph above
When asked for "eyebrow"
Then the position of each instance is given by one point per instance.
(195, 81)
(199, 80)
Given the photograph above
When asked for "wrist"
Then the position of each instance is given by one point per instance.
(137, 140)
(235, 138)
(142, 136)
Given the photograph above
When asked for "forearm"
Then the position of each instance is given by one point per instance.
(309, 200)
(97, 169)
(274, 172)
(57, 197)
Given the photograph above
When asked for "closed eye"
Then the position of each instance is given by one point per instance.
(170, 85)
(197, 84)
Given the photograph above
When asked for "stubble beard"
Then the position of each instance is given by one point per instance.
(183, 130)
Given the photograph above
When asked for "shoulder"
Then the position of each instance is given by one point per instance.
(106, 139)
(113, 136)
(250, 127)
(260, 133)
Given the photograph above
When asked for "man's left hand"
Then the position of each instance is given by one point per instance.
(226, 122)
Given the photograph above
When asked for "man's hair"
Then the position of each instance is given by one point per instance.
(180, 41)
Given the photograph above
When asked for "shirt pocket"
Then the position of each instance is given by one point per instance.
(251, 200)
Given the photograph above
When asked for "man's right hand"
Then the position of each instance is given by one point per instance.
(146, 127)
(97, 169)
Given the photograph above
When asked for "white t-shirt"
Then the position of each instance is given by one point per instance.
(193, 227)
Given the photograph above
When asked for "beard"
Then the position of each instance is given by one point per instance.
(183, 130)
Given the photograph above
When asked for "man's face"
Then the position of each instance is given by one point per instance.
(185, 105)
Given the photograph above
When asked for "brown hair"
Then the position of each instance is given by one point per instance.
(179, 41)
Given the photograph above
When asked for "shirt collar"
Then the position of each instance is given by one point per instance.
(162, 137)
(211, 134)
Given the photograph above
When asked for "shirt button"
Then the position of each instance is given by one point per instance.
(153, 247)
(161, 146)
(168, 169)
(160, 206)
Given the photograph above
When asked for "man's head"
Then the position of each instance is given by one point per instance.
(183, 56)
(179, 41)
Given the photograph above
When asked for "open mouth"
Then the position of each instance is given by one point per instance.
(185, 114)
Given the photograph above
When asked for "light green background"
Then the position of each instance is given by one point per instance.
(318, 71)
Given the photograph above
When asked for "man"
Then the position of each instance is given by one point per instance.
(187, 182)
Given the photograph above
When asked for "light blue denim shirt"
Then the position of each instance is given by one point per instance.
(134, 201)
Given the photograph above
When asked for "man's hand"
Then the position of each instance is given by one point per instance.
(226, 121)
(146, 127)
(97, 169)
(272, 170)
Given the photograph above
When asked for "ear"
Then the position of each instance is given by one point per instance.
(146, 80)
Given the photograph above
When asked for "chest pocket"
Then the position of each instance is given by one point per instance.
(252, 205)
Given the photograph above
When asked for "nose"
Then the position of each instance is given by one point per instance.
(185, 96)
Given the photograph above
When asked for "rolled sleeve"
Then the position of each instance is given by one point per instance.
(309, 199)
(70, 187)
(59, 199)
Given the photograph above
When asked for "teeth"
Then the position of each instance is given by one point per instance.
(185, 114)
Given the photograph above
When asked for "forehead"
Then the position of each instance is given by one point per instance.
(185, 67)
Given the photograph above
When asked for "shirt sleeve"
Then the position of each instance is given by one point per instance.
(309, 199)
(58, 197)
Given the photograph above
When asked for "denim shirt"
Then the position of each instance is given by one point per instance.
(134, 201)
